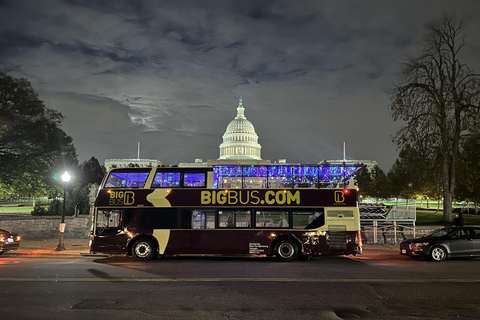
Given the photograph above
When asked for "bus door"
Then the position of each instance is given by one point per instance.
(110, 233)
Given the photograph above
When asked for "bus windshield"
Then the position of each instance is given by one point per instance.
(127, 178)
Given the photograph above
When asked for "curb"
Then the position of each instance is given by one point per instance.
(47, 253)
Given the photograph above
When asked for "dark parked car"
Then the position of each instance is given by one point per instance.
(445, 243)
(8, 241)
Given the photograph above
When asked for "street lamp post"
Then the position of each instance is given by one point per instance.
(61, 245)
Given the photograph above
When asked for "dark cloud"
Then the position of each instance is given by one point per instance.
(168, 74)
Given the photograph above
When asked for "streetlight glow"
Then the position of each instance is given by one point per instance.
(65, 178)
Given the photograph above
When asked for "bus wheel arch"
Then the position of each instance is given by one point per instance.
(286, 249)
(143, 248)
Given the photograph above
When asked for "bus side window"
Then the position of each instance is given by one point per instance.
(127, 217)
(203, 219)
(166, 180)
(163, 218)
(196, 180)
(272, 219)
(308, 219)
(234, 219)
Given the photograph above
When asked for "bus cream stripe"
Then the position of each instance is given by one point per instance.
(162, 237)
(158, 198)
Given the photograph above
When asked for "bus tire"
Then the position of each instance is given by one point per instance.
(143, 249)
(286, 250)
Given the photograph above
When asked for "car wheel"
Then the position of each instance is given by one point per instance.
(286, 250)
(2, 252)
(438, 254)
(143, 249)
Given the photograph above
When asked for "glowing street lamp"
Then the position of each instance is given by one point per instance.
(65, 178)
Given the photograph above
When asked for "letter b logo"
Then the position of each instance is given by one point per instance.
(339, 196)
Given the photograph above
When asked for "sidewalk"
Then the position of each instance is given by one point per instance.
(46, 247)
(77, 247)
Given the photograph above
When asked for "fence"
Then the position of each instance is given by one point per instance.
(393, 232)
(47, 226)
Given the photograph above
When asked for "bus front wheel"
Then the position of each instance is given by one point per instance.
(286, 250)
(143, 249)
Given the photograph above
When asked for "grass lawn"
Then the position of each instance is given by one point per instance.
(433, 218)
(16, 209)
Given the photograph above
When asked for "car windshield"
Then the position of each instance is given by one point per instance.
(439, 233)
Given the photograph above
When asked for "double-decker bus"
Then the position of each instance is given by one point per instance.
(286, 211)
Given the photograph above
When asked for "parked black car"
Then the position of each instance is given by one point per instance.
(8, 241)
(444, 243)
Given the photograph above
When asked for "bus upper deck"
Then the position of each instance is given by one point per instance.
(234, 177)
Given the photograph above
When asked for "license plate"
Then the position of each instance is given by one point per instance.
(9, 240)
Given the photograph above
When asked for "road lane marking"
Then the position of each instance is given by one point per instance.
(237, 280)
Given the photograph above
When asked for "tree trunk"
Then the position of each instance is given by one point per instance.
(448, 188)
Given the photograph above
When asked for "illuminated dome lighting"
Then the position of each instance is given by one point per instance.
(240, 141)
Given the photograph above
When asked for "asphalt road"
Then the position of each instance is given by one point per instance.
(375, 286)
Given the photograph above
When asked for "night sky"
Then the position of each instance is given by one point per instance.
(168, 74)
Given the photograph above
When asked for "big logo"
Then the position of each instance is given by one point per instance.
(250, 197)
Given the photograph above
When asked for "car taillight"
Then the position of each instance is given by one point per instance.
(2, 239)
(17, 238)
(359, 236)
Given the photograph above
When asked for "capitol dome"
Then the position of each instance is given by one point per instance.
(240, 140)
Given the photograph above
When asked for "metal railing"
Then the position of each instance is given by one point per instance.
(389, 231)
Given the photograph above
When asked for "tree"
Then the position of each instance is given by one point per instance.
(439, 101)
(365, 182)
(411, 176)
(93, 172)
(77, 200)
(373, 183)
(408, 174)
(33, 145)
(469, 171)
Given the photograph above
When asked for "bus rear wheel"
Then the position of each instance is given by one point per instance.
(286, 250)
(143, 249)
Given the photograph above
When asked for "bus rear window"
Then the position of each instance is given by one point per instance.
(119, 179)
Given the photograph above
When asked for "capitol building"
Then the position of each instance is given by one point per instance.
(240, 140)
(240, 146)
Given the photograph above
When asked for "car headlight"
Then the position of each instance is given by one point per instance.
(417, 245)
